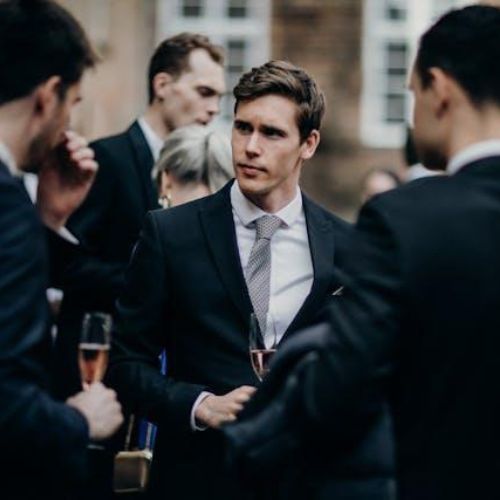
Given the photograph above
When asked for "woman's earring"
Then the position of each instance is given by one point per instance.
(165, 200)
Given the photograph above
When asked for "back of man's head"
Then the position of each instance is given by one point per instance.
(39, 39)
(465, 44)
(172, 56)
(284, 79)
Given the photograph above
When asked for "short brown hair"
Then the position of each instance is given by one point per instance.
(287, 80)
(171, 56)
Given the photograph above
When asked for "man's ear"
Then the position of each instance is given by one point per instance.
(308, 147)
(47, 96)
(161, 82)
(441, 89)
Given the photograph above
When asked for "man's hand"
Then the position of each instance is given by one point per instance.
(214, 411)
(64, 180)
(101, 409)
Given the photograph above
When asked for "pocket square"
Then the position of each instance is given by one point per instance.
(339, 291)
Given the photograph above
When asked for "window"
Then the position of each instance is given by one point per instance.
(236, 50)
(236, 55)
(391, 29)
(242, 27)
(396, 70)
(193, 8)
(237, 8)
(395, 10)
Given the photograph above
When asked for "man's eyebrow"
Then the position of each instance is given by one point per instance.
(211, 90)
(270, 129)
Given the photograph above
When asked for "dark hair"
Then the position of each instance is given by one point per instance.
(39, 39)
(172, 56)
(465, 43)
(284, 79)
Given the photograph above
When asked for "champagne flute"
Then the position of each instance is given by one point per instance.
(260, 354)
(93, 349)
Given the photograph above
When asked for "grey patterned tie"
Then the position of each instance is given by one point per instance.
(258, 270)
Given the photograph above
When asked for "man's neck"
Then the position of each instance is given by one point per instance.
(473, 128)
(14, 130)
(155, 121)
(272, 202)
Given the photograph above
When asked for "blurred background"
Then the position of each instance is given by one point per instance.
(358, 50)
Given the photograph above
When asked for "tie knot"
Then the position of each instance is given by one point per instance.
(266, 226)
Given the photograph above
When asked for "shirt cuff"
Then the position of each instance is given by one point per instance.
(199, 399)
(65, 234)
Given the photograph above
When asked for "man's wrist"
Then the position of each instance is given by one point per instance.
(196, 424)
(51, 219)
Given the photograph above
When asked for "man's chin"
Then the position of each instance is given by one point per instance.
(251, 187)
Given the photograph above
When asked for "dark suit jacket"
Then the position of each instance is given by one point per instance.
(42, 442)
(186, 292)
(107, 225)
(425, 300)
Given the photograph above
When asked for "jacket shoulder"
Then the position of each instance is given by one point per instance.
(110, 144)
(339, 225)
(417, 197)
(185, 218)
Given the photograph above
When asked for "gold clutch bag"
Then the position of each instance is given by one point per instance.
(131, 472)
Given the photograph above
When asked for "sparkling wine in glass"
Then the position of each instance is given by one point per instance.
(93, 349)
(262, 347)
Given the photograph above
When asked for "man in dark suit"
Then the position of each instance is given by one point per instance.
(424, 296)
(186, 82)
(43, 442)
(200, 270)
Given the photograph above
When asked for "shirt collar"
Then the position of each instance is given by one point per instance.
(7, 158)
(473, 153)
(248, 212)
(155, 142)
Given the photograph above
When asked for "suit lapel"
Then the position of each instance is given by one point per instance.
(143, 162)
(321, 244)
(218, 225)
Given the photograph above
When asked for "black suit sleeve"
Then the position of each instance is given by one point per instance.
(75, 269)
(142, 333)
(36, 432)
(331, 392)
(363, 325)
(83, 270)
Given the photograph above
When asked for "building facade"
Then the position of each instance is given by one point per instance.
(360, 52)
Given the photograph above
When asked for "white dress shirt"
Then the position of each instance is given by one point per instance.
(472, 153)
(291, 263)
(7, 158)
(155, 142)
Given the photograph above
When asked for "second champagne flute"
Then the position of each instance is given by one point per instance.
(260, 355)
(93, 350)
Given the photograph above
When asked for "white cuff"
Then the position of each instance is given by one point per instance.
(199, 399)
(65, 234)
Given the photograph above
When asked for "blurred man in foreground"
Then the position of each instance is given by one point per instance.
(43, 53)
(422, 300)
